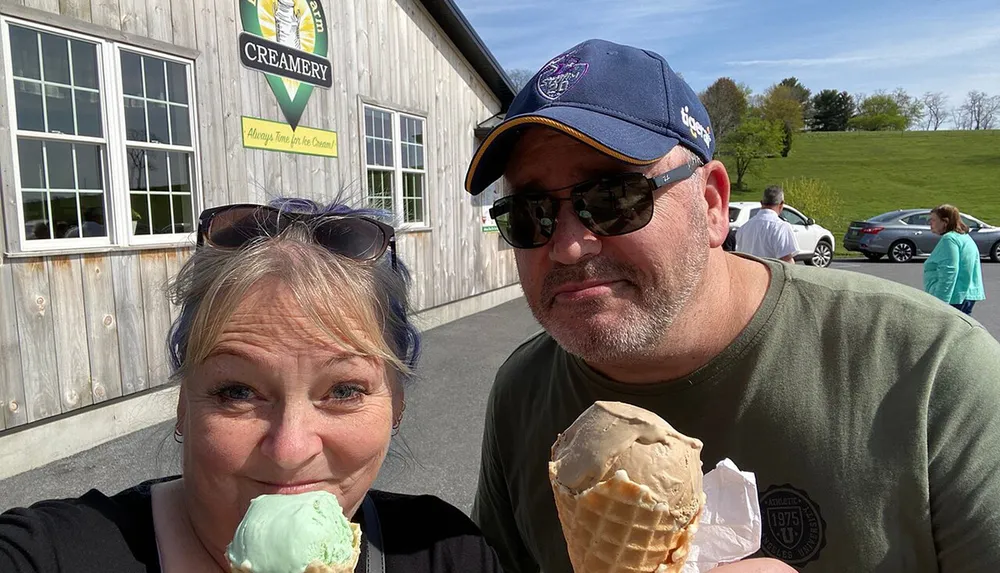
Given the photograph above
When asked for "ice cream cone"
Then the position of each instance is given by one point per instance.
(346, 567)
(617, 526)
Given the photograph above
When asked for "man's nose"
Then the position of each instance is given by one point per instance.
(572, 241)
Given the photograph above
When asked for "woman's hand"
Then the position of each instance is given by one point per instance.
(755, 566)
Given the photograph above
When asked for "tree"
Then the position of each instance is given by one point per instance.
(780, 104)
(754, 139)
(909, 107)
(832, 110)
(935, 104)
(814, 197)
(801, 93)
(519, 77)
(979, 111)
(878, 112)
(726, 103)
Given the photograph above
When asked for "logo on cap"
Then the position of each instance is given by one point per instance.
(560, 74)
(697, 129)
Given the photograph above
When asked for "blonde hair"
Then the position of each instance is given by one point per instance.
(363, 305)
(951, 217)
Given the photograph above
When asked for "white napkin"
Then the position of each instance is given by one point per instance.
(730, 522)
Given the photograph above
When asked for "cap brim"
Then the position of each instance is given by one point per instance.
(617, 138)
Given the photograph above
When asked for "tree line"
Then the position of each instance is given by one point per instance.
(751, 126)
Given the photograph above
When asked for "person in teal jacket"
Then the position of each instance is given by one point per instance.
(953, 272)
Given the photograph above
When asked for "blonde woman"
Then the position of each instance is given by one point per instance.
(293, 351)
(953, 272)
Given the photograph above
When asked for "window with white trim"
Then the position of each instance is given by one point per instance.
(103, 140)
(395, 164)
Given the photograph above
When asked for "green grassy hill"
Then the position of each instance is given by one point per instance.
(875, 172)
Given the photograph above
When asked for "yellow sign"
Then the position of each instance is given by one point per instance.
(277, 136)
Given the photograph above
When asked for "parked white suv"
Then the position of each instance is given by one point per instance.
(815, 242)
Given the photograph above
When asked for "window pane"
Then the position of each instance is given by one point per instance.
(65, 217)
(92, 207)
(136, 169)
(88, 113)
(159, 132)
(89, 172)
(131, 74)
(24, 53)
(177, 82)
(156, 81)
(84, 64)
(59, 106)
(380, 189)
(388, 153)
(379, 153)
(28, 100)
(386, 126)
(29, 157)
(419, 160)
(36, 216)
(369, 151)
(59, 157)
(135, 119)
(180, 173)
(161, 214)
(183, 219)
(55, 58)
(369, 122)
(156, 163)
(414, 211)
(140, 213)
(180, 125)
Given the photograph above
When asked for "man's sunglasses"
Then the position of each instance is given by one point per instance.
(355, 237)
(614, 205)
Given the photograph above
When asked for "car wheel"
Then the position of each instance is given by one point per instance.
(822, 256)
(901, 251)
(872, 256)
(995, 252)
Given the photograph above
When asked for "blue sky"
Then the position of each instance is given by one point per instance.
(951, 46)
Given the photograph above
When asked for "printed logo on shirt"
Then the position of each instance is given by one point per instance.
(793, 528)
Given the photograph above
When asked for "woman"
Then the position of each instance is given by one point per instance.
(292, 350)
(953, 272)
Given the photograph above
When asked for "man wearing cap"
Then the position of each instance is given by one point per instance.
(866, 409)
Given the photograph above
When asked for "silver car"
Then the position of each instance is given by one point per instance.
(906, 233)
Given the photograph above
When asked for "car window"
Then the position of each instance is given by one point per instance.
(792, 217)
(970, 223)
(885, 217)
(753, 212)
(918, 219)
(734, 213)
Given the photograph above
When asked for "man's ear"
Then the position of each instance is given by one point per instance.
(717, 196)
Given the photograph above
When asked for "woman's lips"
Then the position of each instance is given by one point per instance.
(285, 488)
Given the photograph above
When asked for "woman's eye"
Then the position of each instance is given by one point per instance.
(234, 393)
(346, 392)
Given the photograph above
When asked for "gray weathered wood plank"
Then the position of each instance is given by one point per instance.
(133, 16)
(159, 22)
(70, 328)
(12, 405)
(129, 308)
(106, 13)
(79, 9)
(47, 5)
(182, 22)
(153, 269)
(35, 331)
(227, 22)
(102, 327)
(215, 186)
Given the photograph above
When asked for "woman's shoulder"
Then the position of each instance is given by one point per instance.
(426, 533)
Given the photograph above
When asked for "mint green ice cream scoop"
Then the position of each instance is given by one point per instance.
(295, 534)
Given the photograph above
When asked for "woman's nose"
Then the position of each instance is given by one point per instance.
(292, 440)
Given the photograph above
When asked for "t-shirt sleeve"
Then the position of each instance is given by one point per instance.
(24, 543)
(963, 448)
(785, 241)
(492, 509)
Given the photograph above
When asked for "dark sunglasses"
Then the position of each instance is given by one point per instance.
(614, 205)
(358, 238)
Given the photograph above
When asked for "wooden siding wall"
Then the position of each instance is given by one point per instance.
(76, 330)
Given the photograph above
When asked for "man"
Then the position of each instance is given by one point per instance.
(866, 409)
(766, 235)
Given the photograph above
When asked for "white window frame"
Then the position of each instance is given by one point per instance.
(118, 212)
(397, 169)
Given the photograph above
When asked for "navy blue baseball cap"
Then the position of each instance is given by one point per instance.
(623, 101)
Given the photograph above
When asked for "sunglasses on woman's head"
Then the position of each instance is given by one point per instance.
(355, 237)
(614, 205)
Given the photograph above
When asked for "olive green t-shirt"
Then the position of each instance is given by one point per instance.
(869, 412)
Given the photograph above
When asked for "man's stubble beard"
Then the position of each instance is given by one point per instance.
(638, 330)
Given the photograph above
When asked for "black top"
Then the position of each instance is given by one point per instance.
(98, 534)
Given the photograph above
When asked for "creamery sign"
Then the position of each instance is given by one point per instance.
(287, 40)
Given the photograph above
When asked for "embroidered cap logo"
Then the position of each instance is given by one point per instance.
(559, 75)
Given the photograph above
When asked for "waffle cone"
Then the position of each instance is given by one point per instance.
(618, 526)
(347, 567)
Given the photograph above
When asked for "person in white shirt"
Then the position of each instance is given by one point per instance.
(766, 235)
